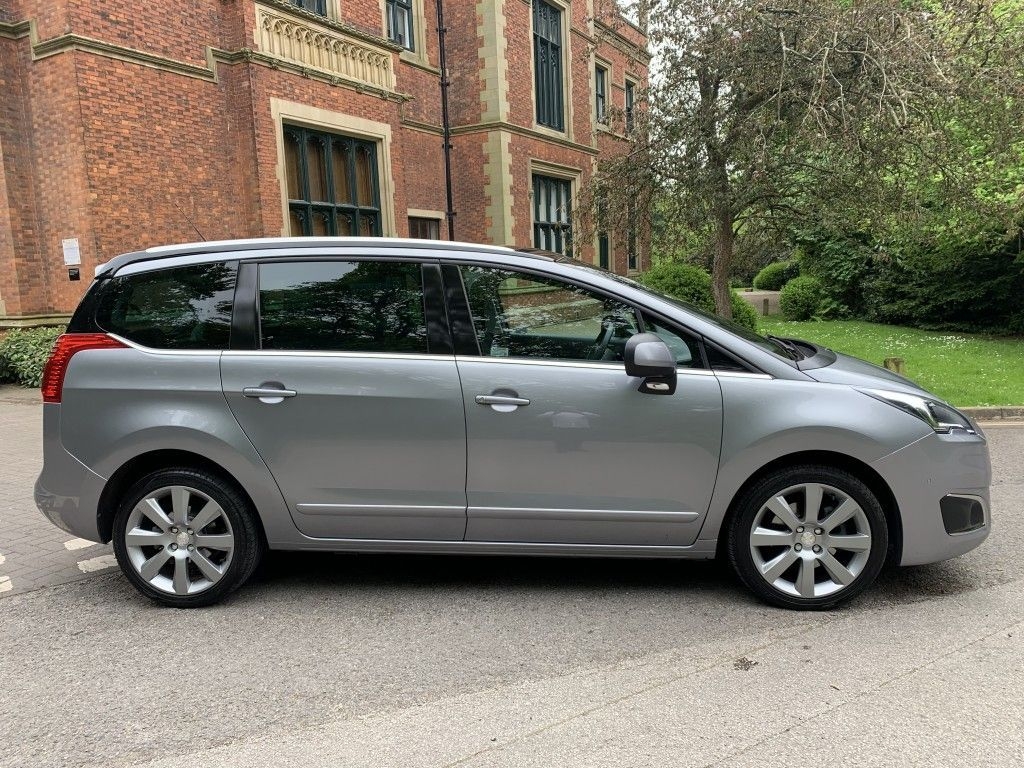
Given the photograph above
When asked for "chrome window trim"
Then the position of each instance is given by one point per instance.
(157, 351)
(551, 363)
(158, 265)
(342, 355)
(743, 375)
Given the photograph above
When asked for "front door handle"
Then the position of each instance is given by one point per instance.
(501, 400)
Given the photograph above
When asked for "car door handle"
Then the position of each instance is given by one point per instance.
(262, 392)
(501, 400)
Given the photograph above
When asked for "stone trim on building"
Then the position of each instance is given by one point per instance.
(349, 125)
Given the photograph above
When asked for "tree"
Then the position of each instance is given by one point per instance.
(764, 114)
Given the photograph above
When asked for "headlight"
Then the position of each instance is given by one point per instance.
(936, 414)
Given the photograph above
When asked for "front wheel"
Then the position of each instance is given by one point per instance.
(186, 538)
(808, 537)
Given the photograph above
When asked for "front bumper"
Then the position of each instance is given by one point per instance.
(921, 476)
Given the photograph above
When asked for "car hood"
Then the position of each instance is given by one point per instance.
(860, 373)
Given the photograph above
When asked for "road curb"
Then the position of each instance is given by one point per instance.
(996, 413)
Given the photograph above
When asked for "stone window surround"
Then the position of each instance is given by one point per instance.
(567, 61)
(283, 111)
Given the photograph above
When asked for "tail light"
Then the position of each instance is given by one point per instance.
(65, 348)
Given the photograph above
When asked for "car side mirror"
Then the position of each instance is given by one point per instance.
(649, 357)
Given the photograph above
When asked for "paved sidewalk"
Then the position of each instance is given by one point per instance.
(33, 552)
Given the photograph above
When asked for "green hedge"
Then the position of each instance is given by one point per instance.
(23, 353)
(692, 284)
(972, 284)
(801, 298)
(776, 275)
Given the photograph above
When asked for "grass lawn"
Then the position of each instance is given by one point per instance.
(962, 368)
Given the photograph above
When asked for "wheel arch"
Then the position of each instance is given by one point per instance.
(874, 481)
(138, 467)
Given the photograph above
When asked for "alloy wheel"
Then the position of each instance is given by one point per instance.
(810, 540)
(179, 540)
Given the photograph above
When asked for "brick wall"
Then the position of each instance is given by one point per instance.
(125, 151)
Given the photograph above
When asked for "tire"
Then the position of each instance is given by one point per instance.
(791, 560)
(170, 560)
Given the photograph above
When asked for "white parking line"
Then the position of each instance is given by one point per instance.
(97, 563)
(2, 558)
(5, 584)
(74, 544)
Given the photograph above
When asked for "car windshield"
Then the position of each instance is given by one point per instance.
(767, 344)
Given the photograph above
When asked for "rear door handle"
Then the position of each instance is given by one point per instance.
(273, 394)
(501, 400)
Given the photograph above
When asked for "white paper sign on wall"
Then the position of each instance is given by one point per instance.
(72, 253)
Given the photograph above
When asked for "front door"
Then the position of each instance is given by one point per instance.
(562, 448)
(357, 417)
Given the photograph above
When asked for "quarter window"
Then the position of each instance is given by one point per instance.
(520, 315)
(399, 14)
(178, 308)
(685, 348)
(342, 306)
(552, 214)
(332, 184)
(547, 65)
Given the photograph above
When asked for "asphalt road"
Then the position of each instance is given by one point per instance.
(428, 661)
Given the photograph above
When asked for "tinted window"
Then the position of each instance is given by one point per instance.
(342, 306)
(179, 308)
(519, 315)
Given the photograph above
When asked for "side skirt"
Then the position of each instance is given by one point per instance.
(699, 550)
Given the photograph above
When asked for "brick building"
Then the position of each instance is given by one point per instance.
(126, 126)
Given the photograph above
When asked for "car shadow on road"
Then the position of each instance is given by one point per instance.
(447, 571)
(691, 580)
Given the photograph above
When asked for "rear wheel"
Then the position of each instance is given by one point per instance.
(186, 538)
(808, 537)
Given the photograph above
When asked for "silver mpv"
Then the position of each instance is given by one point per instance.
(211, 401)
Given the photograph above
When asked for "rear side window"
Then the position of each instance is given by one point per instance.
(177, 308)
(342, 306)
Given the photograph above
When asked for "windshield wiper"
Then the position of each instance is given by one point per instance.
(787, 345)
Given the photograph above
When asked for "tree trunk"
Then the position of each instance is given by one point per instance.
(722, 265)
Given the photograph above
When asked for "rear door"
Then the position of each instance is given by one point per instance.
(352, 397)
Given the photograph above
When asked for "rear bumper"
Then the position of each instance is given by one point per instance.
(924, 473)
(67, 491)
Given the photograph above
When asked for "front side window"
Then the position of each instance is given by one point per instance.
(314, 6)
(521, 315)
(547, 65)
(332, 184)
(552, 214)
(399, 15)
(601, 93)
(177, 308)
(342, 306)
